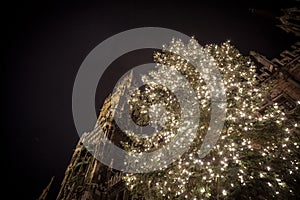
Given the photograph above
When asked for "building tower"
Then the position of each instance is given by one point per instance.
(86, 178)
(46, 190)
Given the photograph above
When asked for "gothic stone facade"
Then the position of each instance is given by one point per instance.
(86, 178)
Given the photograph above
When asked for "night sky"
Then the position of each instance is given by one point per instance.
(45, 44)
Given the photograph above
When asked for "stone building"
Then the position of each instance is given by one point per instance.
(290, 20)
(86, 178)
(284, 73)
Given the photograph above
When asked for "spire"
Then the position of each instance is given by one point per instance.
(46, 190)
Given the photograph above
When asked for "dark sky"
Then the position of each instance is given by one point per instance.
(46, 42)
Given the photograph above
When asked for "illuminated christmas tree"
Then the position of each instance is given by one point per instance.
(257, 154)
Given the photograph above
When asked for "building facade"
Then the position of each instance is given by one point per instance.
(284, 74)
(86, 178)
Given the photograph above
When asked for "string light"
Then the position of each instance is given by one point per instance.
(252, 148)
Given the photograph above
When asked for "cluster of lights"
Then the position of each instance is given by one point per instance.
(251, 149)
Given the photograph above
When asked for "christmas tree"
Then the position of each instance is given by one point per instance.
(257, 153)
